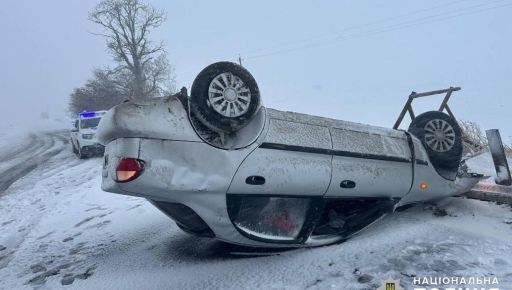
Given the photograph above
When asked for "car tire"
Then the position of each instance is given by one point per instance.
(441, 136)
(224, 97)
(73, 148)
(80, 154)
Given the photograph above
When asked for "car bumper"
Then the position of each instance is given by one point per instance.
(93, 149)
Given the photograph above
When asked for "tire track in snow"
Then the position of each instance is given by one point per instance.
(38, 151)
(17, 152)
(46, 155)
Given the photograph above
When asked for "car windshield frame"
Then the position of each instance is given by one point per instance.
(89, 123)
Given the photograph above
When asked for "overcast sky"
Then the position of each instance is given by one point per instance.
(353, 60)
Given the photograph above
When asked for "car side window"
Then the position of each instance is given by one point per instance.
(76, 124)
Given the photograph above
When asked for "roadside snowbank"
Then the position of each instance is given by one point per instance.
(483, 164)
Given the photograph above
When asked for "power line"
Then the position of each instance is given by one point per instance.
(402, 25)
(393, 27)
(355, 27)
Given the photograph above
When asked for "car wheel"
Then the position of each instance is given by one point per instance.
(224, 97)
(73, 148)
(442, 138)
(81, 154)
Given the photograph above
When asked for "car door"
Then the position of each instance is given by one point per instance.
(370, 163)
(294, 160)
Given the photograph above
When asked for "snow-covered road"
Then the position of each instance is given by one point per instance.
(17, 161)
(58, 229)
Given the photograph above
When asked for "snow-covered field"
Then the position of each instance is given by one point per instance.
(58, 229)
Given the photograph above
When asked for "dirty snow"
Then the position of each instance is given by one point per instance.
(59, 230)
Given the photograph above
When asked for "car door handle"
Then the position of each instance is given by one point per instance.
(255, 180)
(347, 184)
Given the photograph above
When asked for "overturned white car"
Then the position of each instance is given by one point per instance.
(222, 165)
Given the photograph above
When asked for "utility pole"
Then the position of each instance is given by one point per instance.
(239, 60)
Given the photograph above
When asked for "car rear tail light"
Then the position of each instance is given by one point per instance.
(128, 169)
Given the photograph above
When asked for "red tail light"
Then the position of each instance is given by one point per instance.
(128, 169)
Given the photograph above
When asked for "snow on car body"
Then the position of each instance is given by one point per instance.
(281, 179)
(83, 135)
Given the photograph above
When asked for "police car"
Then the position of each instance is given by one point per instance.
(222, 165)
(83, 134)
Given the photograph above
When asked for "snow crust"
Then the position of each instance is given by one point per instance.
(328, 122)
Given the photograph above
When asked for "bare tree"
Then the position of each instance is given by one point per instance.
(473, 138)
(508, 149)
(101, 92)
(141, 63)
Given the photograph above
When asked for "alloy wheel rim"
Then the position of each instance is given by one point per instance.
(439, 135)
(229, 95)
